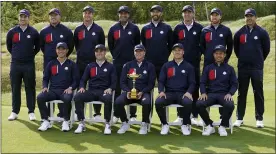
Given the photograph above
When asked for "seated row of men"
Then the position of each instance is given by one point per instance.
(175, 86)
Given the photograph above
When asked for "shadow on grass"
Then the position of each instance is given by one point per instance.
(240, 141)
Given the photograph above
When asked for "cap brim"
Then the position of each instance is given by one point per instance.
(53, 12)
(155, 9)
(187, 10)
(88, 10)
(23, 14)
(177, 47)
(215, 12)
(250, 14)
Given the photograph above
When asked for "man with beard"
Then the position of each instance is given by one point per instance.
(49, 37)
(156, 36)
(251, 46)
(122, 38)
(86, 37)
(188, 34)
(23, 44)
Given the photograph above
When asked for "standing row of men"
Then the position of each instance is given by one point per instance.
(251, 46)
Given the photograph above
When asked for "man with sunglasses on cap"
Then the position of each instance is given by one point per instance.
(61, 76)
(188, 34)
(217, 86)
(122, 38)
(175, 86)
(144, 84)
(23, 44)
(86, 37)
(49, 37)
(101, 76)
(156, 36)
(251, 46)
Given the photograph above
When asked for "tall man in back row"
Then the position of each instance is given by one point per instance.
(251, 46)
(122, 38)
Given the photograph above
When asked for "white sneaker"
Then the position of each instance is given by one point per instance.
(80, 129)
(65, 126)
(186, 129)
(115, 120)
(76, 117)
(238, 123)
(98, 118)
(200, 123)
(107, 129)
(222, 131)
(178, 120)
(32, 116)
(13, 116)
(194, 121)
(165, 129)
(259, 124)
(143, 129)
(133, 119)
(208, 130)
(45, 125)
(124, 127)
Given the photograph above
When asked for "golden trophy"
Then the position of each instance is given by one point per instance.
(133, 76)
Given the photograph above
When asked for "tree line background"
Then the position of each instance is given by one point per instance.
(72, 11)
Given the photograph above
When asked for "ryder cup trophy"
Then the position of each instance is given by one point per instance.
(133, 76)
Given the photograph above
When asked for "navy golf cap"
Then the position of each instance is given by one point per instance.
(156, 7)
(54, 10)
(216, 10)
(25, 12)
(220, 48)
(123, 9)
(62, 44)
(250, 11)
(188, 8)
(139, 47)
(179, 45)
(100, 46)
(88, 8)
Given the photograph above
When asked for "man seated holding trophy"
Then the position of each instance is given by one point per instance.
(137, 81)
(175, 86)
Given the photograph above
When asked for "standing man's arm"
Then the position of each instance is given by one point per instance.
(202, 42)
(36, 42)
(70, 41)
(143, 39)
(76, 39)
(137, 36)
(101, 37)
(110, 41)
(42, 41)
(175, 35)
(229, 44)
(170, 40)
(265, 44)
(9, 41)
(237, 44)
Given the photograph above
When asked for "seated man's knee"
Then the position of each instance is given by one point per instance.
(120, 100)
(41, 97)
(186, 102)
(66, 98)
(229, 105)
(78, 97)
(107, 98)
(160, 102)
(200, 104)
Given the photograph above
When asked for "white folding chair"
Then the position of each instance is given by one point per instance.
(168, 115)
(53, 118)
(136, 104)
(91, 119)
(217, 123)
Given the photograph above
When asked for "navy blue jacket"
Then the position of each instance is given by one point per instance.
(157, 41)
(174, 78)
(252, 48)
(50, 36)
(121, 42)
(61, 76)
(103, 77)
(23, 46)
(190, 41)
(147, 80)
(218, 79)
(85, 42)
(211, 38)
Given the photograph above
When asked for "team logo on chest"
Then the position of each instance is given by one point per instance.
(183, 71)
(105, 70)
(194, 33)
(145, 72)
(61, 36)
(255, 37)
(220, 35)
(161, 32)
(224, 73)
(93, 33)
(66, 68)
(129, 33)
(28, 36)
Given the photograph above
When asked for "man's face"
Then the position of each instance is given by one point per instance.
(155, 15)
(188, 15)
(54, 18)
(61, 52)
(87, 16)
(219, 56)
(215, 18)
(100, 54)
(139, 54)
(23, 19)
(250, 20)
(178, 53)
(123, 16)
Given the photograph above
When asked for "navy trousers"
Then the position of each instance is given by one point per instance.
(174, 98)
(27, 73)
(55, 94)
(93, 95)
(256, 77)
(228, 108)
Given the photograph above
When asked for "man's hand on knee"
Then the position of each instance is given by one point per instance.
(203, 97)
(162, 94)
